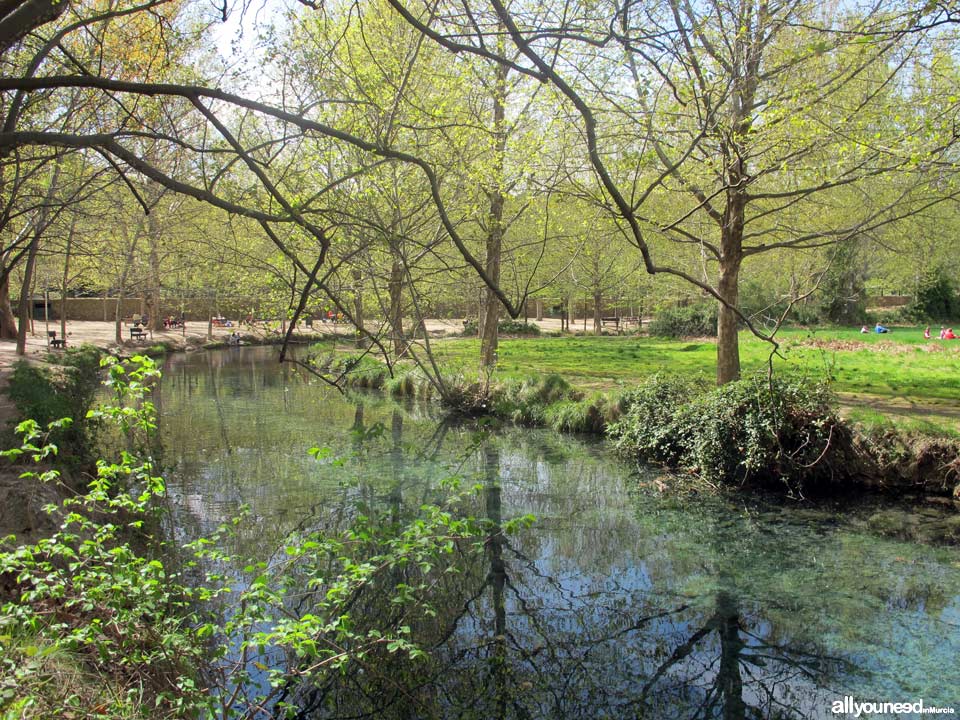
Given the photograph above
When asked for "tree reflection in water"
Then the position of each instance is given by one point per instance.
(513, 641)
(619, 602)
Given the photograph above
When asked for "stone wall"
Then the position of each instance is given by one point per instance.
(888, 301)
(104, 309)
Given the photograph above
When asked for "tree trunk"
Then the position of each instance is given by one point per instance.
(597, 308)
(728, 339)
(358, 306)
(539, 309)
(66, 278)
(395, 315)
(26, 299)
(152, 294)
(489, 335)
(8, 321)
(117, 316)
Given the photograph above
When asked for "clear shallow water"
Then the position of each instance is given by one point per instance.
(620, 601)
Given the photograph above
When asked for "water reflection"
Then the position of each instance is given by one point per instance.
(620, 602)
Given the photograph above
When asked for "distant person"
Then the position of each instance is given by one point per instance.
(864, 329)
(926, 333)
(948, 335)
(943, 333)
(881, 329)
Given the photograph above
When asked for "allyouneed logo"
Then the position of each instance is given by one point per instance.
(849, 706)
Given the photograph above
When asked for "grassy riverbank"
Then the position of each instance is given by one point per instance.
(899, 376)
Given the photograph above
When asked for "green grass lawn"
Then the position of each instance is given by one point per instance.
(899, 369)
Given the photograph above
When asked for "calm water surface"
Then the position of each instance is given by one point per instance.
(620, 601)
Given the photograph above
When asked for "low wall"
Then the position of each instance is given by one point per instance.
(888, 301)
(104, 309)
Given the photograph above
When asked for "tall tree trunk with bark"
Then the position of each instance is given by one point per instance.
(152, 294)
(489, 332)
(597, 311)
(395, 311)
(26, 299)
(733, 221)
(8, 321)
(728, 286)
(358, 306)
(65, 279)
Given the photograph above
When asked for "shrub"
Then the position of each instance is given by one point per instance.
(517, 327)
(525, 402)
(693, 320)
(889, 316)
(359, 371)
(46, 394)
(936, 297)
(504, 327)
(753, 430)
(647, 429)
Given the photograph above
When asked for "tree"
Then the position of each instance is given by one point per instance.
(749, 117)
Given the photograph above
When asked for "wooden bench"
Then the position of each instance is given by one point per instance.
(615, 321)
(630, 320)
(53, 341)
(137, 333)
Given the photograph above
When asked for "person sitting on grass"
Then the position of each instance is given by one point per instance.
(943, 333)
(881, 329)
(926, 333)
(863, 329)
(948, 335)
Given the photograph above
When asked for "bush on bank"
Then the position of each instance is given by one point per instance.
(751, 431)
(67, 389)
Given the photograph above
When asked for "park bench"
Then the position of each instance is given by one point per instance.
(52, 340)
(630, 320)
(612, 320)
(137, 333)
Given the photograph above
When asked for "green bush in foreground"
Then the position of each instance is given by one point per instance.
(753, 430)
(101, 620)
(48, 393)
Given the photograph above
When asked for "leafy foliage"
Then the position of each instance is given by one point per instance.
(698, 320)
(46, 394)
(842, 292)
(504, 327)
(103, 619)
(753, 430)
(935, 297)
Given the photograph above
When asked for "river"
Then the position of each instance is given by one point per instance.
(621, 600)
